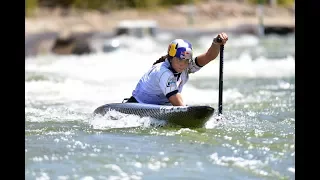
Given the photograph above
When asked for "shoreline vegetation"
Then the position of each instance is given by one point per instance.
(110, 5)
(103, 15)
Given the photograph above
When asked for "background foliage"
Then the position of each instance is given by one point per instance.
(107, 5)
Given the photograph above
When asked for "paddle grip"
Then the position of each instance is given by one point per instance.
(219, 40)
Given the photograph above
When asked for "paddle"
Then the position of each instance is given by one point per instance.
(220, 77)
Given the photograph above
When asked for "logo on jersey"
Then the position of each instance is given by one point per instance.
(171, 82)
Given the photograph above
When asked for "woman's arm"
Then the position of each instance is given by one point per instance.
(176, 100)
(213, 51)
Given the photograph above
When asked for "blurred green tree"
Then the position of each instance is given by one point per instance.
(102, 5)
(31, 5)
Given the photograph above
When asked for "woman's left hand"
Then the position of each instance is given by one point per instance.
(224, 38)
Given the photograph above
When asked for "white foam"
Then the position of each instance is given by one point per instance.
(114, 119)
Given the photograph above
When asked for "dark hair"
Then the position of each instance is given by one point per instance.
(163, 58)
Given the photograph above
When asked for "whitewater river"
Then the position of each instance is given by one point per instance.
(255, 140)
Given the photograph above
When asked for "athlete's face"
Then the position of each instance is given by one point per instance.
(179, 65)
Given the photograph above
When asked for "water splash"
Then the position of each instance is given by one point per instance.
(115, 119)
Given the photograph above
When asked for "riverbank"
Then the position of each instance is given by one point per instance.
(209, 15)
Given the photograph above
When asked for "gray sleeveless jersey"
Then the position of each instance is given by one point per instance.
(159, 83)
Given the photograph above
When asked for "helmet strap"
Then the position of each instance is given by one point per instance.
(175, 73)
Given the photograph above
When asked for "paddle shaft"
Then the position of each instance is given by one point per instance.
(220, 78)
